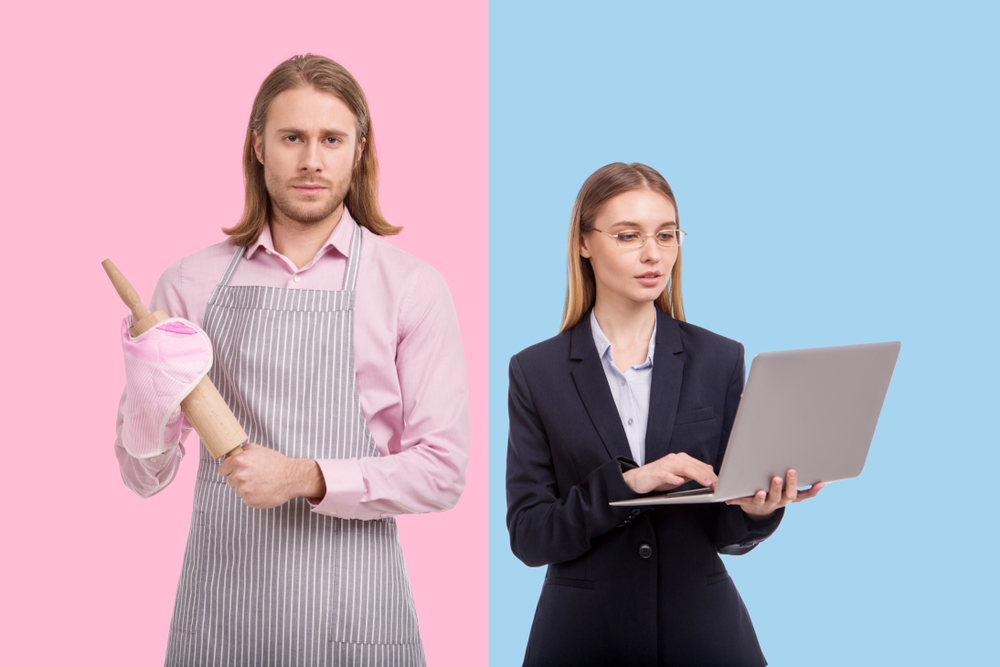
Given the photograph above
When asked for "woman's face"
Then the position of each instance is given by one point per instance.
(631, 275)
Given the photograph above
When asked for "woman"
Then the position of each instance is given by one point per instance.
(630, 399)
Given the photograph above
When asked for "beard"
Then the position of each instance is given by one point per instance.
(305, 212)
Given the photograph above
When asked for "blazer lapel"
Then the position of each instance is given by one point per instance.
(665, 393)
(592, 385)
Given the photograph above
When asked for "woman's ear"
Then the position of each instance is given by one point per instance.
(584, 250)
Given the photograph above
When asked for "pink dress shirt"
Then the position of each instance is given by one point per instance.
(409, 365)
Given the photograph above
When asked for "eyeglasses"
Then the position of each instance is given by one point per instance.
(665, 238)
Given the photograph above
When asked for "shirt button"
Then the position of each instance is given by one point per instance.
(152, 460)
(297, 279)
(332, 512)
(267, 250)
(630, 421)
(623, 383)
(645, 550)
(384, 514)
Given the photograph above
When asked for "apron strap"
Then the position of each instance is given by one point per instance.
(353, 260)
(233, 263)
(228, 274)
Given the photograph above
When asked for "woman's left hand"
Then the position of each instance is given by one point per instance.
(763, 504)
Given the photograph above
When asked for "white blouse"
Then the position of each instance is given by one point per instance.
(629, 389)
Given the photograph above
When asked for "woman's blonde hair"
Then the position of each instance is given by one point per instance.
(327, 76)
(605, 183)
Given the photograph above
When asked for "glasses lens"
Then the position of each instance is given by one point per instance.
(667, 238)
(629, 239)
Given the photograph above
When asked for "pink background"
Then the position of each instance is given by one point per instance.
(123, 125)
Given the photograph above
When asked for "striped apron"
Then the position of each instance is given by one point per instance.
(287, 586)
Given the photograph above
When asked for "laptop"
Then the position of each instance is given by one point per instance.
(813, 410)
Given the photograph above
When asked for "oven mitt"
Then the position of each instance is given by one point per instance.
(162, 366)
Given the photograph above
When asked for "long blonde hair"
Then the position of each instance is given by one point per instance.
(605, 183)
(327, 76)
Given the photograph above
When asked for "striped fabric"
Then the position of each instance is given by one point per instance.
(288, 586)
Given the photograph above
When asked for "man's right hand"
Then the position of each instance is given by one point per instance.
(669, 472)
(265, 478)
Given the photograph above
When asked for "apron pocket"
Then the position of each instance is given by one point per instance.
(187, 605)
(372, 599)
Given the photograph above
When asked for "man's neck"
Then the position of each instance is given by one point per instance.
(298, 241)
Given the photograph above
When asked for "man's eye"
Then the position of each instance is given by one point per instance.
(332, 140)
(292, 137)
(628, 236)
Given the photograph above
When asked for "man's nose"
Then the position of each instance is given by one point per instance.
(311, 157)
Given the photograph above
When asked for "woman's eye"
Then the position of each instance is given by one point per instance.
(665, 236)
(628, 236)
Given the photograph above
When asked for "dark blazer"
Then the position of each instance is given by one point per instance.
(627, 586)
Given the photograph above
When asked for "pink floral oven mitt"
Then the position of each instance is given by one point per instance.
(162, 366)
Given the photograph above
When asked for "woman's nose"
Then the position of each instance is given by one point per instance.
(650, 249)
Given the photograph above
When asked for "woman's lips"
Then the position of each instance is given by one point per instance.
(650, 279)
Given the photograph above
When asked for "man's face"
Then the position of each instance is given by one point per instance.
(308, 148)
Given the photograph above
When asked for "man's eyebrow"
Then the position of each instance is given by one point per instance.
(326, 132)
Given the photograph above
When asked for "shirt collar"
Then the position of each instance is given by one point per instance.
(604, 345)
(340, 238)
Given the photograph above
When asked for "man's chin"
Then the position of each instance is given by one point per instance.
(308, 215)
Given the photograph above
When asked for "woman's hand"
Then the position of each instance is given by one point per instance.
(762, 505)
(669, 472)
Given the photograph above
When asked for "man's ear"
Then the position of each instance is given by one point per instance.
(258, 147)
(361, 149)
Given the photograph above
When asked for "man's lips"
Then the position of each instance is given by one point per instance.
(309, 188)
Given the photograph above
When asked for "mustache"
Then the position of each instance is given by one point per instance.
(311, 181)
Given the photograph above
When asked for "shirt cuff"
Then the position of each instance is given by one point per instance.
(345, 486)
(155, 465)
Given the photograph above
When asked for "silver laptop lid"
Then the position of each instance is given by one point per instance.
(814, 410)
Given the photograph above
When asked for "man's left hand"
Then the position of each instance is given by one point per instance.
(266, 478)
(763, 504)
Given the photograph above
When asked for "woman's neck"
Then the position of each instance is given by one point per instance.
(629, 328)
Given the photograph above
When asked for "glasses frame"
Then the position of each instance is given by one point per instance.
(680, 238)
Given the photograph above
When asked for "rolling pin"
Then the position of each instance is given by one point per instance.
(203, 407)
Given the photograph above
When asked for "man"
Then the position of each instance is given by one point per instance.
(341, 357)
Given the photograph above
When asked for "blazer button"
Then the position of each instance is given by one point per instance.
(634, 512)
(645, 551)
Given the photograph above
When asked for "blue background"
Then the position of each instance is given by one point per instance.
(836, 167)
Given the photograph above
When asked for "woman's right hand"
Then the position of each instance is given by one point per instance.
(669, 472)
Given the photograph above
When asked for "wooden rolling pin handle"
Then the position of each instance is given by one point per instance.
(213, 420)
(203, 407)
(147, 323)
(126, 291)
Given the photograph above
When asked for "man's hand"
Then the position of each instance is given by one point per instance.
(669, 472)
(762, 505)
(265, 478)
